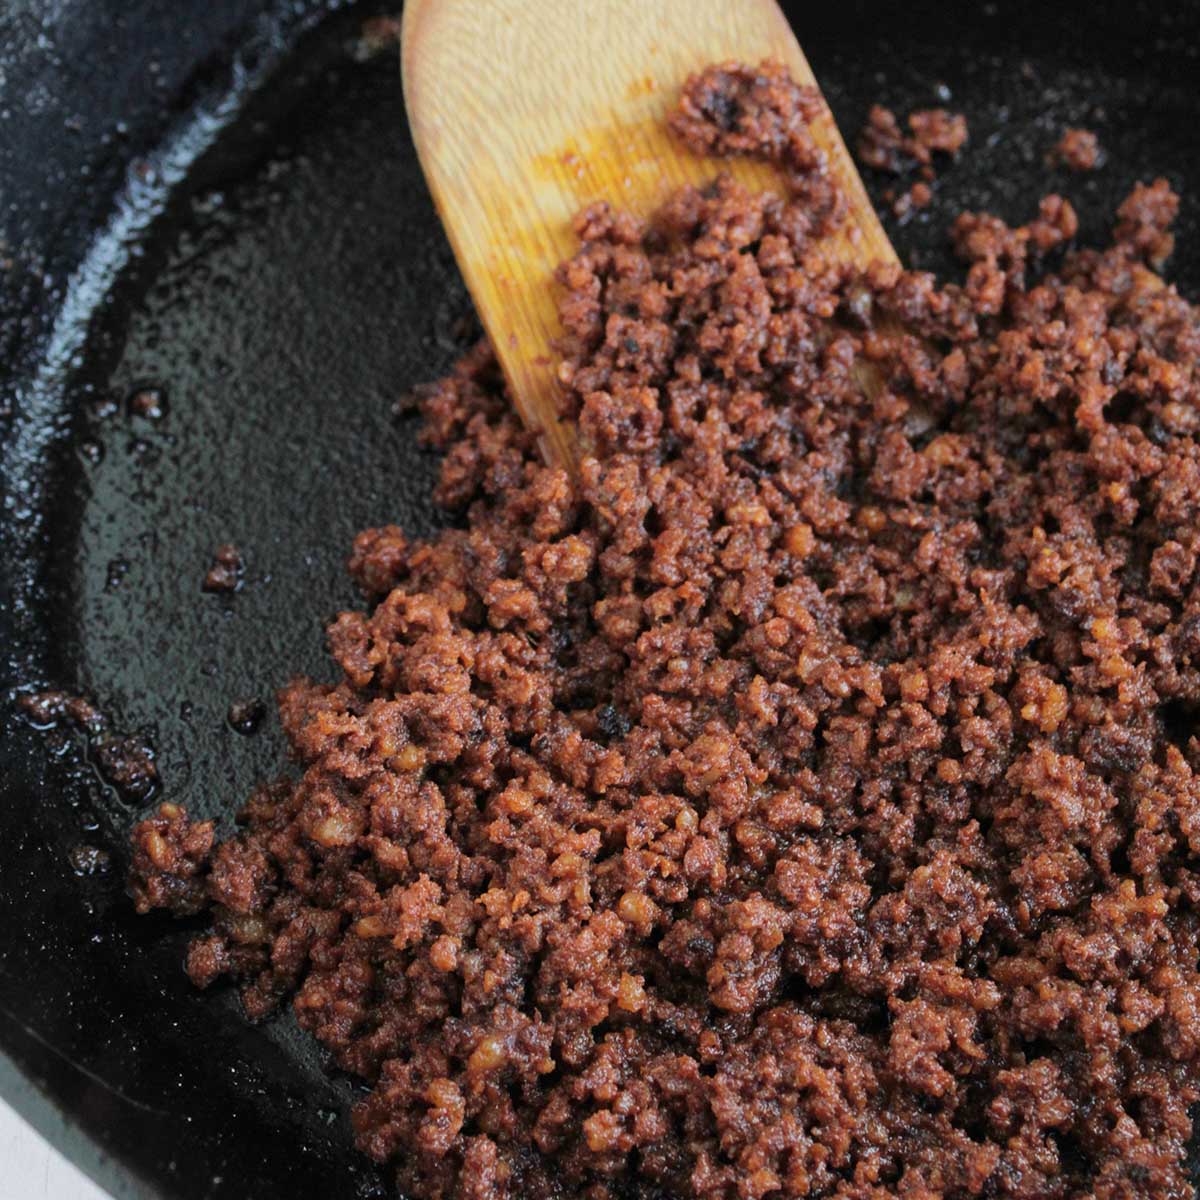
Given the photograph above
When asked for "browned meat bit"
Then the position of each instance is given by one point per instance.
(1055, 224)
(803, 802)
(1077, 149)
(1144, 220)
(125, 762)
(85, 715)
(885, 147)
(881, 141)
(88, 860)
(999, 255)
(49, 707)
(936, 130)
(731, 110)
(170, 858)
(378, 561)
(148, 402)
(225, 574)
(761, 111)
(128, 764)
(919, 196)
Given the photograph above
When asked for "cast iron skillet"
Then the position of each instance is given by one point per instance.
(219, 199)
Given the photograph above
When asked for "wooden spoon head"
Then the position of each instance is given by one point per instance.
(525, 111)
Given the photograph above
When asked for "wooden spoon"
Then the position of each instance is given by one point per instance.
(525, 111)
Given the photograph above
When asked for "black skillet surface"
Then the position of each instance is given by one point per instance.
(228, 208)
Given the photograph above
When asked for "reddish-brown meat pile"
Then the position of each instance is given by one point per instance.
(803, 802)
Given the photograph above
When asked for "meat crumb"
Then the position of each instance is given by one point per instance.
(1078, 150)
(1144, 221)
(225, 573)
(124, 761)
(148, 402)
(128, 764)
(884, 146)
(917, 197)
(47, 708)
(89, 860)
(170, 860)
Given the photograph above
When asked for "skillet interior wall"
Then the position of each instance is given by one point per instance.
(293, 285)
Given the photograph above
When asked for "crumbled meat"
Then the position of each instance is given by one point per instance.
(49, 707)
(148, 402)
(125, 761)
(919, 196)
(884, 146)
(731, 110)
(225, 573)
(801, 802)
(881, 141)
(1078, 150)
(170, 858)
(128, 764)
(936, 129)
(1144, 221)
(89, 860)
(761, 112)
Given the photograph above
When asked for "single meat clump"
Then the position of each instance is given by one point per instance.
(128, 764)
(225, 573)
(1077, 150)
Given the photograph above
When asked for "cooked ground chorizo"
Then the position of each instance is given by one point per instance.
(884, 146)
(1078, 149)
(802, 801)
(225, 573)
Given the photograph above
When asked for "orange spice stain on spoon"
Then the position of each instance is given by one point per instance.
(511, 154)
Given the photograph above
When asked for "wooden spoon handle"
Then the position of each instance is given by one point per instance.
(524, 111)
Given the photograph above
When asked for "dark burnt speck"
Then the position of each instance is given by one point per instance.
(245, 716)
(117, 570)
(613, 722)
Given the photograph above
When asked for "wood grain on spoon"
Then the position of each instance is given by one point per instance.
(524, 111)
